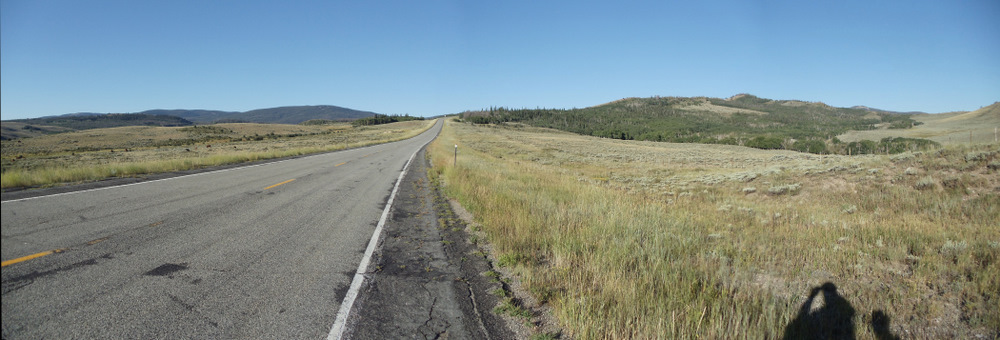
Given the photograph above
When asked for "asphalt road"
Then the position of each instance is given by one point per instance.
(266, 251)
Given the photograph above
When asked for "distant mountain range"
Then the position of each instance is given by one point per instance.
(275, 115)
(20, 128)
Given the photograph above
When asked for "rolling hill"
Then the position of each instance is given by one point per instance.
(10, 130)
(944, 128)
(38, 126)
(739, 120)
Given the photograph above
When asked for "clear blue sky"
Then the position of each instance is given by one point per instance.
(434, 57)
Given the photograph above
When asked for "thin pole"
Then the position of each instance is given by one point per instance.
(456, 156)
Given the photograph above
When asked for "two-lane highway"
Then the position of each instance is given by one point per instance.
(265, 251)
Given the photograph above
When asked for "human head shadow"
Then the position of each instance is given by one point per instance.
(880, 326)
(834, 320)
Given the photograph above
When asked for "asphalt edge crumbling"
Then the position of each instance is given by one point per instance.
(422, 281)
(495, 291)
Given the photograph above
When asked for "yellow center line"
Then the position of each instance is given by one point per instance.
(29, 257)
(339, 164)
(285, 182)
(89, 243)
(97, 241)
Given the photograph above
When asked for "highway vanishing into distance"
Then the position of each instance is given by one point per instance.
(263, 251)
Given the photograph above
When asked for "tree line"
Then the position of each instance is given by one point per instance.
(379, 119)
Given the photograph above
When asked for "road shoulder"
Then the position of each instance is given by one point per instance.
(426, 280)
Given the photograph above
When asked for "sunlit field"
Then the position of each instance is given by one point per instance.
(657, 240)
(132, 151)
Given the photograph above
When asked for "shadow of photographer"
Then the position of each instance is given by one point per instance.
(834, 320)
(880, 326)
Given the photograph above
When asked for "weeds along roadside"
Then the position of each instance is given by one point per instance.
(66, 167)
(617, 259)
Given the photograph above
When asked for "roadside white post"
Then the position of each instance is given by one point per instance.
(456, 156)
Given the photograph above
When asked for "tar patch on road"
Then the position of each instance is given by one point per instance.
(167, 269)
(424, 281)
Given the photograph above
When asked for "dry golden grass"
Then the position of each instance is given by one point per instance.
(130, 151)
(655, 240)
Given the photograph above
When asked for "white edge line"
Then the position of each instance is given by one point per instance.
(337, 331)
(340, 323)
(189, 175)
(143, 182)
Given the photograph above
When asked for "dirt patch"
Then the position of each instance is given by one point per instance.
(837, 184)
(723, 110)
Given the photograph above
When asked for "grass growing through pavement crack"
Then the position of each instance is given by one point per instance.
(545, 336)
(508, 306)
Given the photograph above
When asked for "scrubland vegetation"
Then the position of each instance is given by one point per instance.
(132, 151)
(629, 239)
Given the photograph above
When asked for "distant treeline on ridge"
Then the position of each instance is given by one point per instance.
(378, 119)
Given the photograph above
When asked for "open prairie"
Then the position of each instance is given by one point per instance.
(130, 151)
(627, 239)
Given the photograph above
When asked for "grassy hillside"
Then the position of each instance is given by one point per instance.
(14, 130)
(630, 239)
(741, 120)
(944, 128)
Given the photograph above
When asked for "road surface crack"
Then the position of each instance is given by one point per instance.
(428, 329)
